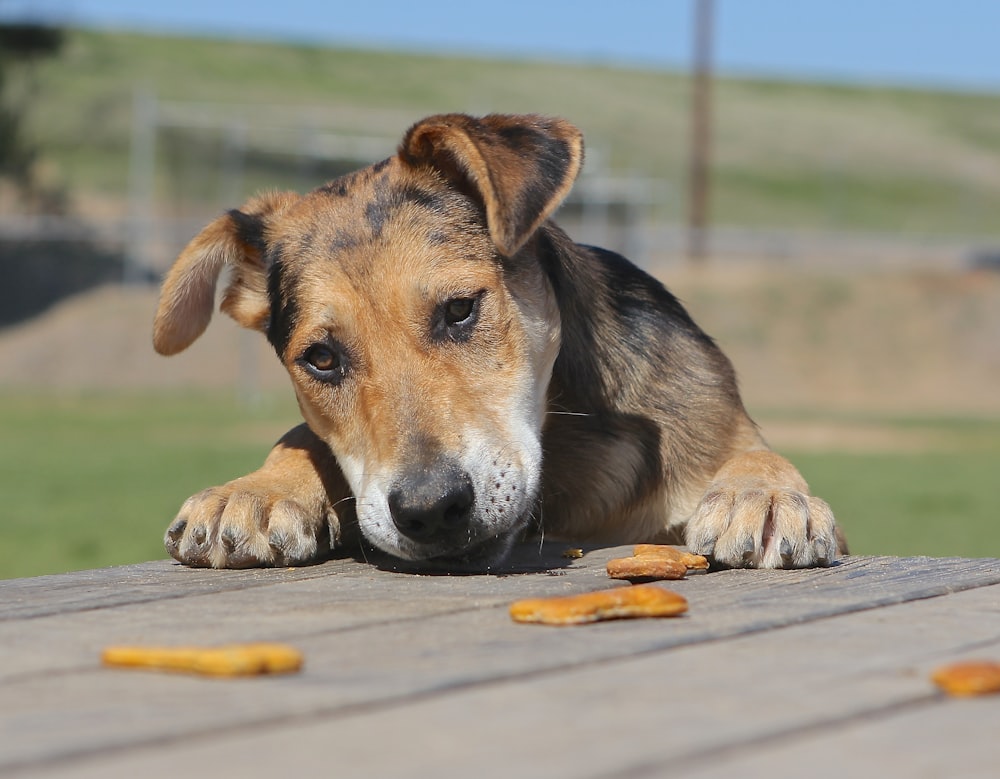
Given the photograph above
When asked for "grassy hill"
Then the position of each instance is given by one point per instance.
(786, 154)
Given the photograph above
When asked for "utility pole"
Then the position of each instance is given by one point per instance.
(701, 125)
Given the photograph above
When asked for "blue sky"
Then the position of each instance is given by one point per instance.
(951, 43)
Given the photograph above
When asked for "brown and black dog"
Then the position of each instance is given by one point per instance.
(468, 374)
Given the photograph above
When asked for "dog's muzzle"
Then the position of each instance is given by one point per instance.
(461, 511)
(434, 505)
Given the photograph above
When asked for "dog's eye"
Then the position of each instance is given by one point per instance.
(458, 310)
(325, 362)
(455, 318)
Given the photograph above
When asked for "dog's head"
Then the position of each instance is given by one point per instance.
(417, 325)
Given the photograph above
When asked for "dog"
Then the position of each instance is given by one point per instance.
(469, 376)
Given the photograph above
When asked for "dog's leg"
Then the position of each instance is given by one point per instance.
(757, 512)
(282, 514)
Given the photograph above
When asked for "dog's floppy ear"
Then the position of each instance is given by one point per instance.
(521, 167)
(237, 240)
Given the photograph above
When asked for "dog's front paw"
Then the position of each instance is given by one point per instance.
(244, 525)
(763, 528)
(758, 513)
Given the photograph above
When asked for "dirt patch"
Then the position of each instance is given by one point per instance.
(829, 436)
(102, 340)
(898, 343)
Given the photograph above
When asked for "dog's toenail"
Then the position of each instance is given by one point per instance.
(176, 530)
(229, 541)
(277, 540)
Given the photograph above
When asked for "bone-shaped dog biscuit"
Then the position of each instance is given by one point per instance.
(644, 600)
(230, 660)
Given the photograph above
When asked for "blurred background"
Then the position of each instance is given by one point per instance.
(819, 182)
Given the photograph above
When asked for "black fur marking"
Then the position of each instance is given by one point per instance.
(642, 303)
(643, 315)
(378, 167)
(387, 201)
(274, 254)
(284, 309)
(339, 186)
(552, 157)
(377, 212)
(306, 243)
(343, 241)
(249, 229)
(522, 139)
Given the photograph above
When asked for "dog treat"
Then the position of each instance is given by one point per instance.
(655, 561)
(975, 677)
(693, 562)
(646, 567)
(644, 600)
(230, 660)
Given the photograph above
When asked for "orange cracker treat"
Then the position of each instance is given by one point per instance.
(692, 561)
(646, 567)
(655, 561)
(644, 600)
(231, 660)
(975, 677)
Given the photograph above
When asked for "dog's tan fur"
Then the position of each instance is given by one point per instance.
(468, 374)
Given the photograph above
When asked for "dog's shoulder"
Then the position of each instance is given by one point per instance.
(641, 302)
(623, 331)
(607, 290)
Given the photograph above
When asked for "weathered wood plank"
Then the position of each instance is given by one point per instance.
(108, 587)
(164, 579)
(818, 696)
(375, 638)
(352, 596)
(161, 580)
(940, 739)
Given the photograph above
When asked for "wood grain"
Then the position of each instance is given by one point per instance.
(760, 655)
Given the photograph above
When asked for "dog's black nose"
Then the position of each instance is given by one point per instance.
(428, 506)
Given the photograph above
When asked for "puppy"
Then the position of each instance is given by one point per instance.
(468, 374)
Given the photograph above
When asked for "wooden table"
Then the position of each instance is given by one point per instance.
(776, 673)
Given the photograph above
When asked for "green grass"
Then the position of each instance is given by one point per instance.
(91, 481)
(936, 504)
(785, 153)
